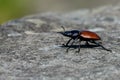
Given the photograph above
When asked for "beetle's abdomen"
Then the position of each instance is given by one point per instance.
(89, 35)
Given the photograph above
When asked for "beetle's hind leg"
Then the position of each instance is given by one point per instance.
(101, 46)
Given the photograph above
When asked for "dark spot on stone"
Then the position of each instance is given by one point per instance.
(109, 19)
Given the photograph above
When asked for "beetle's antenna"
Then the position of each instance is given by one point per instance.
(63, 28)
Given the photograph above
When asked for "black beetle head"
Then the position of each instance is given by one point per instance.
(72, 34)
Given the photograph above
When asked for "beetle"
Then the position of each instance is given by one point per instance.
(83, 35)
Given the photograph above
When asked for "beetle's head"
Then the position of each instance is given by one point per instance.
(72, 33)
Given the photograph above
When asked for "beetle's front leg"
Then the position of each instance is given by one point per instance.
(68, 42)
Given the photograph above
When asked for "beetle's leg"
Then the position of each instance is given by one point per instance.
(79, 45)
(102, 46)
(68, 42)
(71, 44)
(87, 43)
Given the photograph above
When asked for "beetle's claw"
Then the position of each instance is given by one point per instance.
(65, 45)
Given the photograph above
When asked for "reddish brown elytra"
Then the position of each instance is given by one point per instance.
(87, 36)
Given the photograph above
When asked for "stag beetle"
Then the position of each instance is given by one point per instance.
(84, 35)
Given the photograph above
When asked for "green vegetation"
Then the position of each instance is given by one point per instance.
(10, 9)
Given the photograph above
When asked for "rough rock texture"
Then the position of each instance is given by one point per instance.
(30, 48)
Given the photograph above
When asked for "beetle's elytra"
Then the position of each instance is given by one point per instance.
(87, 36)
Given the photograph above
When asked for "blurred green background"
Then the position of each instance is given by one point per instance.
(12, 9)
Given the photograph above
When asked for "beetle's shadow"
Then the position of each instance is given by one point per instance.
(81, 46)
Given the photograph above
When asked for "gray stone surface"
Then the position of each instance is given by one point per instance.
(30, 48)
